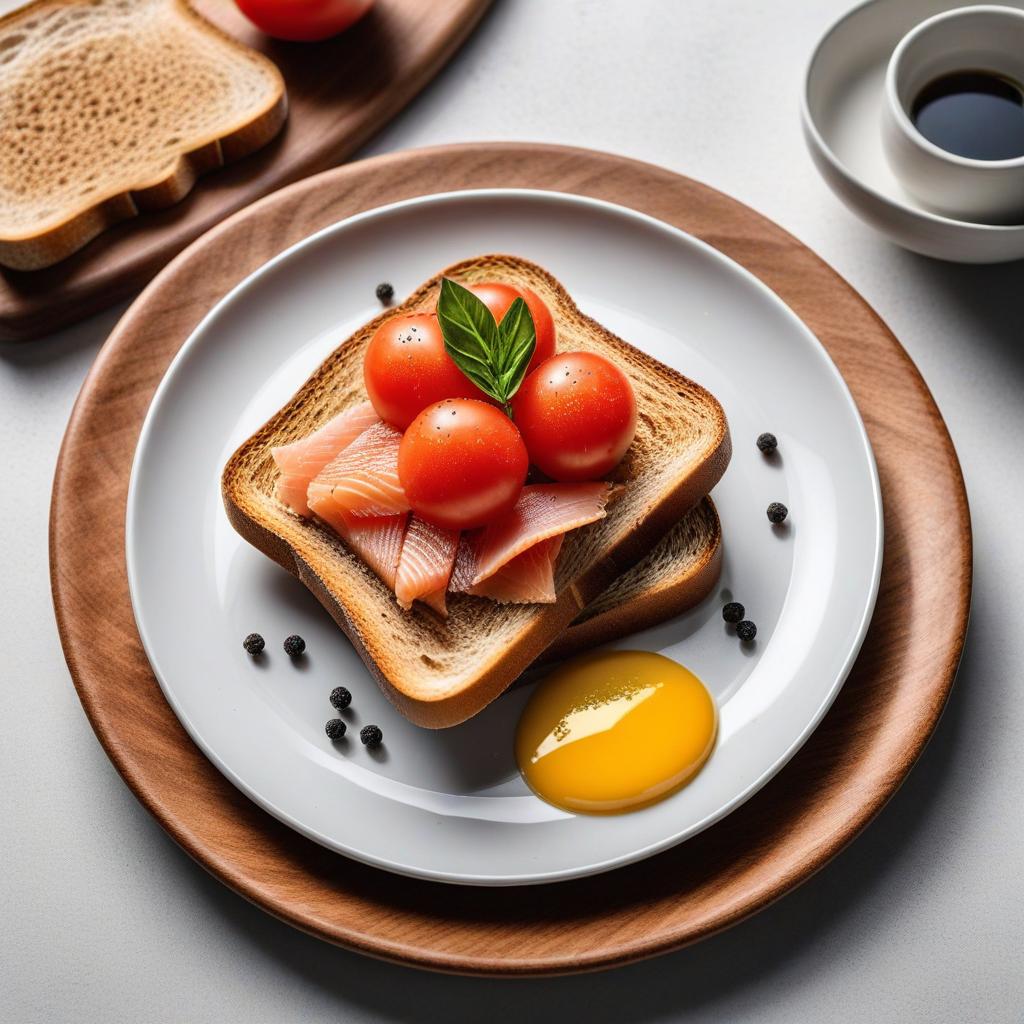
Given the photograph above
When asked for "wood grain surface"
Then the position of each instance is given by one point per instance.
(340, 92)
(839, 780)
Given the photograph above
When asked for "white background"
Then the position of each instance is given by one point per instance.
(104, 919)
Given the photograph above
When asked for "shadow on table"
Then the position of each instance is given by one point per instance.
(988, 297)
(40, 356)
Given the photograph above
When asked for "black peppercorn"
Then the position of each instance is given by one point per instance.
(294, 646)
(746, 630)
(254, 644)
(777, 512)
(335, 728)
(767, 443)
(385, 293)
(733, 612)
(341, 698)
(371, 736)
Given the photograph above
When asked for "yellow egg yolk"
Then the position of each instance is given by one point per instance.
(615, 731)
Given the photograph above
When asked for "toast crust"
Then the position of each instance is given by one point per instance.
(70, 228)
(646, 595)
(440, 673)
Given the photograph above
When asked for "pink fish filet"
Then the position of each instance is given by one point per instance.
(428, 555)
(362, 480)
(438, 600)
(543, 511)
(528, 578)
(378, 542)
(302, 460)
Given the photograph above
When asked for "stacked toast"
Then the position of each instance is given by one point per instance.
(656, 553)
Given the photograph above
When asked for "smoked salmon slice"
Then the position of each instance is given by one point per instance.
(362, 479)
(378, 542)
(543, 511)
(300, 461)
(438, 600)
(528, 578)
(428, 554)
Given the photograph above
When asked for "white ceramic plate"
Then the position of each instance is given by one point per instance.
(450, 805)
(842, 119)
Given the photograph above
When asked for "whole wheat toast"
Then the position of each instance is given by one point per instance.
(110, 107)
(439, 673)
(680, 571)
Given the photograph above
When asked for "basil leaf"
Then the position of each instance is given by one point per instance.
(470, 335)
(517, 341)
(493, 356)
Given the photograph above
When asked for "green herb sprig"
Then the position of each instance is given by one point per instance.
(494, 356)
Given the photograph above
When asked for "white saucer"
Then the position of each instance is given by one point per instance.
(842, 114)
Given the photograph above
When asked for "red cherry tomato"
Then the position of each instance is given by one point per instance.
(577, 415)
(303, 20)
(406, 369)
(498, 297)
(462, 463)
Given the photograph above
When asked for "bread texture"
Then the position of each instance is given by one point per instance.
(112, 107)
(439, 673)
(679, 573)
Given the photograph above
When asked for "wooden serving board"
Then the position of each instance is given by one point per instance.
(340, 92)
(839, 780)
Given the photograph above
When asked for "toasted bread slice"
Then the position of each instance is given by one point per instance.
(678, 574)
(439, 673)
(110, 107)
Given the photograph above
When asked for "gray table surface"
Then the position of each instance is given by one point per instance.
(921, 919)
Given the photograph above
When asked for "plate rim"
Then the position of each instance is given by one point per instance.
(238, 293)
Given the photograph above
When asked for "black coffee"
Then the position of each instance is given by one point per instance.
(975, 114)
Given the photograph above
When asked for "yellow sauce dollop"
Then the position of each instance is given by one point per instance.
(615, 731)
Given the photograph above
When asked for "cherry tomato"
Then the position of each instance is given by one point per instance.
(577, 415)
(303, 20)
(498, 297)
(462, 464)
(406, 369)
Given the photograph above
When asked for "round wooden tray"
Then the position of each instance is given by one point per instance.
(825, 796)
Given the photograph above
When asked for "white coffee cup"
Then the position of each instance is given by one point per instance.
(983, 38)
